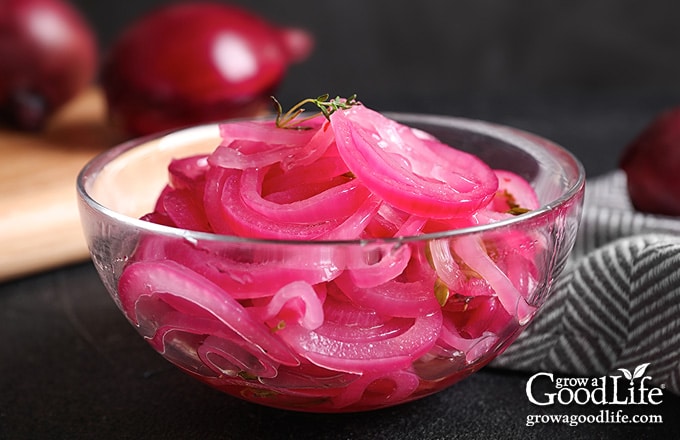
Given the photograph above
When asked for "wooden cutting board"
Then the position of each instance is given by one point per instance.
(39, 222)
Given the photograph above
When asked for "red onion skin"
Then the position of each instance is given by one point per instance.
(48, 54)
(186, 64)
(652, 166)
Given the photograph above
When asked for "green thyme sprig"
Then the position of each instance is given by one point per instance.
(327, 107)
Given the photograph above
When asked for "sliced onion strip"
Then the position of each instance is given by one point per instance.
(190, 293)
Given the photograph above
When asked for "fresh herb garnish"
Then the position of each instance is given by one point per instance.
(326, 106)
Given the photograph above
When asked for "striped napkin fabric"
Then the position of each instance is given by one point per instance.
(617, 303)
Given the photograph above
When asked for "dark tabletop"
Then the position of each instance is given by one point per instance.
(589, 77)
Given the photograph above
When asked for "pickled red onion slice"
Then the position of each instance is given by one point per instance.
(387, 222)
(336, 202)
(231, 355)
(339, 310)
(513, 192)
(309, 379)
(181, 348)
(354, 226)
(454, 272)
(188, 172)
(371, 266)
(232, 212)
(299, 193)
(191, 294)
(260, 275)
(474, 348)
(212, 201)
(265, 131)
(410, 294)
(417, 175)
(473, 316)
(321, 172)
(391, 346)
(394, 298)
(251, 144)
(185, 209)
(182, 338)
(236, 155)
(296, 301)
(471, 250)
(378, 389)
(319, 145)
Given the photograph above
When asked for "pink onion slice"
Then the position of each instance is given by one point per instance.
(260, 275)
(191, 294)
(297, 302)
(374, 265)
(363, 350)
(185, 209)
(473, 316)
(402, 296)
(188, 172)
(252, 144)
(309, 379)
(337, 202)
(387, 222)
(231, 355)
(265, 131)
(378, 389)
(182, 199)
(181, 337)
(402, 299)
(298, 193)
(513, 192)
(321, 171)
(474, 348)
(414, 174)
(266, 271)
(339, 310)
(471, 251)
(454, 272)
(354, 226)
(234, 155)
(190, 341)
(319, 145)
(246, 222)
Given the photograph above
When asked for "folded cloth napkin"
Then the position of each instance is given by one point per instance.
(617, 303)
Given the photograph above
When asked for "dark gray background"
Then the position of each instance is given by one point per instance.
(446, 47)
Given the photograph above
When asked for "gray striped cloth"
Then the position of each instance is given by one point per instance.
(617, 303)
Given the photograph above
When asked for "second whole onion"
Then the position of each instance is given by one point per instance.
(191, 63)
(651, 163)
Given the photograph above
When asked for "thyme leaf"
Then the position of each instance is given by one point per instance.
(326, 105)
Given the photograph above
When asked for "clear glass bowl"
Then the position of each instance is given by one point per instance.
(196, 297)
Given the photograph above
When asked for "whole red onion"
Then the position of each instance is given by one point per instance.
(48, 53)
(189, 63)
(652, 166)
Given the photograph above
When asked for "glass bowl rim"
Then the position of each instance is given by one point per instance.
(92, 168)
